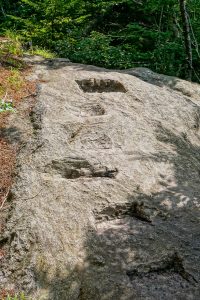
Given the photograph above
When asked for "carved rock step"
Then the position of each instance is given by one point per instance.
(72, 168)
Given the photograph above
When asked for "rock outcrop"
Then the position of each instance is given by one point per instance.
(105, 203)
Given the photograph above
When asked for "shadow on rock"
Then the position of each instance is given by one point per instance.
(148, 246)
(11, 134)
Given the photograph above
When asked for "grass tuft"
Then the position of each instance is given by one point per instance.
(16, 297)
(42, 52)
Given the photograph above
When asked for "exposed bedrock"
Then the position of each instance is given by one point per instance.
(105, 203)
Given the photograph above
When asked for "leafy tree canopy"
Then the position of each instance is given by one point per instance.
(113, 34)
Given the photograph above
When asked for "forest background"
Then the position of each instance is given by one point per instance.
(113, 34)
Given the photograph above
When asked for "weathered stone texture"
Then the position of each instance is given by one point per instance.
(106, 199)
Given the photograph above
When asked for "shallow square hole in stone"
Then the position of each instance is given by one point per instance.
(93, 85)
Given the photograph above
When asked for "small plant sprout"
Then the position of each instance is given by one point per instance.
(6, 106)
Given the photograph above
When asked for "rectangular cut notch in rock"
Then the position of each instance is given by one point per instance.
(118, 211)
(167, 268)
(73, 168)
(93, 85)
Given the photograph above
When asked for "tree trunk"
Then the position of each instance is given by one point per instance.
(187, 39)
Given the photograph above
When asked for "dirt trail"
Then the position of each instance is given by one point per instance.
(105, 203)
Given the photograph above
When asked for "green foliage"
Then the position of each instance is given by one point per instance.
(95, 49)
(6, 106)
(42, 52)
(17, 297)
(11, 50)
(13, 45)
(114, 34)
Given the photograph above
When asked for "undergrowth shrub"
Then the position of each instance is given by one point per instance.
(95, 49)
(124, 51)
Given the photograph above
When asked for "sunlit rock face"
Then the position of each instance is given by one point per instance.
(105, 203)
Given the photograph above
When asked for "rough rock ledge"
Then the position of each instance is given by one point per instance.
(105, 205)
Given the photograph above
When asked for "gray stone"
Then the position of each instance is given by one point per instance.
(105, 203)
